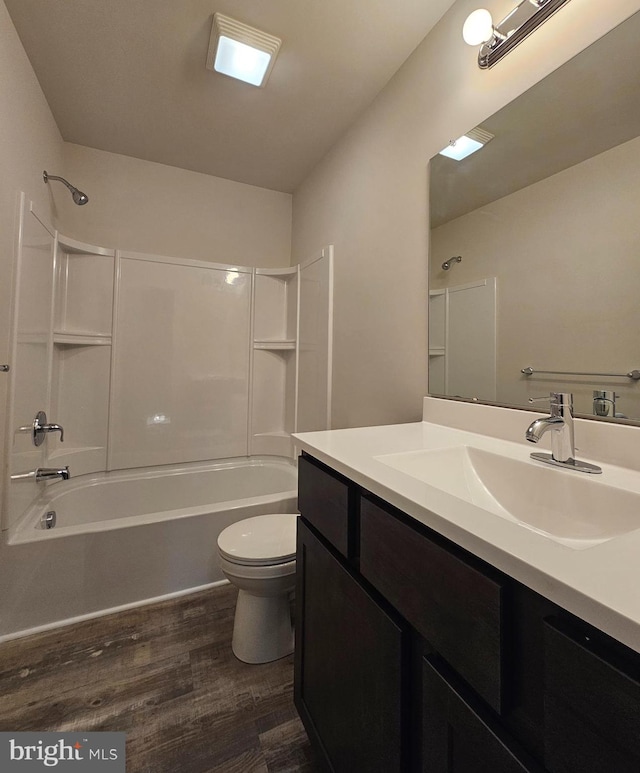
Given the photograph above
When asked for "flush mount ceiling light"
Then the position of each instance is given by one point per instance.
(240, 51)
(467, 144)
(496, 41)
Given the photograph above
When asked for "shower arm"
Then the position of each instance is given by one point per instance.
(46, 177)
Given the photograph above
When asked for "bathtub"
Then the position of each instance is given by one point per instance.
(127, 538)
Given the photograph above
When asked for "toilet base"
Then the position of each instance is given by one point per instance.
(262, 628)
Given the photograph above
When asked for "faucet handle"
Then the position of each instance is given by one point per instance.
(560, 398)
(560, 403)
(40, 428)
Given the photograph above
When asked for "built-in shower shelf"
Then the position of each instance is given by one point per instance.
(276, 443)
(280, 273)
(64, 338)
(75, 247)
(275, 344)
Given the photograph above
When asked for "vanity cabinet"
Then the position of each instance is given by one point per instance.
(414, 655)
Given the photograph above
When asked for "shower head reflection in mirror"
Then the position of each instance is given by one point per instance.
(448, 263)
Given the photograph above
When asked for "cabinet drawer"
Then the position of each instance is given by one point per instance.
(592, 706)
(323, 499)
(455, 606)
(459, 735)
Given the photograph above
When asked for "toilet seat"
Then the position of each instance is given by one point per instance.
(264, 540)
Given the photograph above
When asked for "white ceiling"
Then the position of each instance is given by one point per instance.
(128, 76)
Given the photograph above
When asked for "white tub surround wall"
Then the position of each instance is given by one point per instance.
(274, 359)
(29, 379)
(29, 142)
(81, 355)
(596, 581)
(146, 360)
(180, 381)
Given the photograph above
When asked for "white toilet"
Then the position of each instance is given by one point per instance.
(258, 556)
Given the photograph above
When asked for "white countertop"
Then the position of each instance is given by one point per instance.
(600, 584)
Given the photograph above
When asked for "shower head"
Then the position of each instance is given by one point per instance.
(79, 197)
(448, 263)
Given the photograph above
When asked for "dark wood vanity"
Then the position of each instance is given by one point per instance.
(414, 655)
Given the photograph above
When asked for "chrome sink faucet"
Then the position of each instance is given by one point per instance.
(560, 424)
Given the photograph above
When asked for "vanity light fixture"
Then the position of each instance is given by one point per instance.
(240, 51)
(496, 41)
(467, 144)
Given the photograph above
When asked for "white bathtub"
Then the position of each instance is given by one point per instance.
(125, 538)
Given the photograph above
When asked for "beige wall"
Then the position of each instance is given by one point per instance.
(369, 197)
(565, 254)
(147, 207)
(29, 143)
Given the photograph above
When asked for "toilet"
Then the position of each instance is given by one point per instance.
(258, 556)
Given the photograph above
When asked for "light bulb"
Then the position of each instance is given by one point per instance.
(478, 28)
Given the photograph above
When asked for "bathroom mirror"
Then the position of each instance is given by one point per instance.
(546, 220)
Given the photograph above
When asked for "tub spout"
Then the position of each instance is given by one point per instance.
(44, 473)
(52, 473)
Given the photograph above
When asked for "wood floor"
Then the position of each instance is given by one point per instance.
(166, 676)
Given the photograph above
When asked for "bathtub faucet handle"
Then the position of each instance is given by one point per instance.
(41, 428)
(55, 428)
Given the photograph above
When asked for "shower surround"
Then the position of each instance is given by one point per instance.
(154, 366)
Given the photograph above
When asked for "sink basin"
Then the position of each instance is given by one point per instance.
(565, 506)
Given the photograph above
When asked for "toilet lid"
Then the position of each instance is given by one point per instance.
(264, 539)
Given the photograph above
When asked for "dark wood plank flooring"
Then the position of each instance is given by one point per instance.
(166, 676)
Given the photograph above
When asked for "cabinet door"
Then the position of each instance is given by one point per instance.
(592, 702)
(348, 665)
(459, 735)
